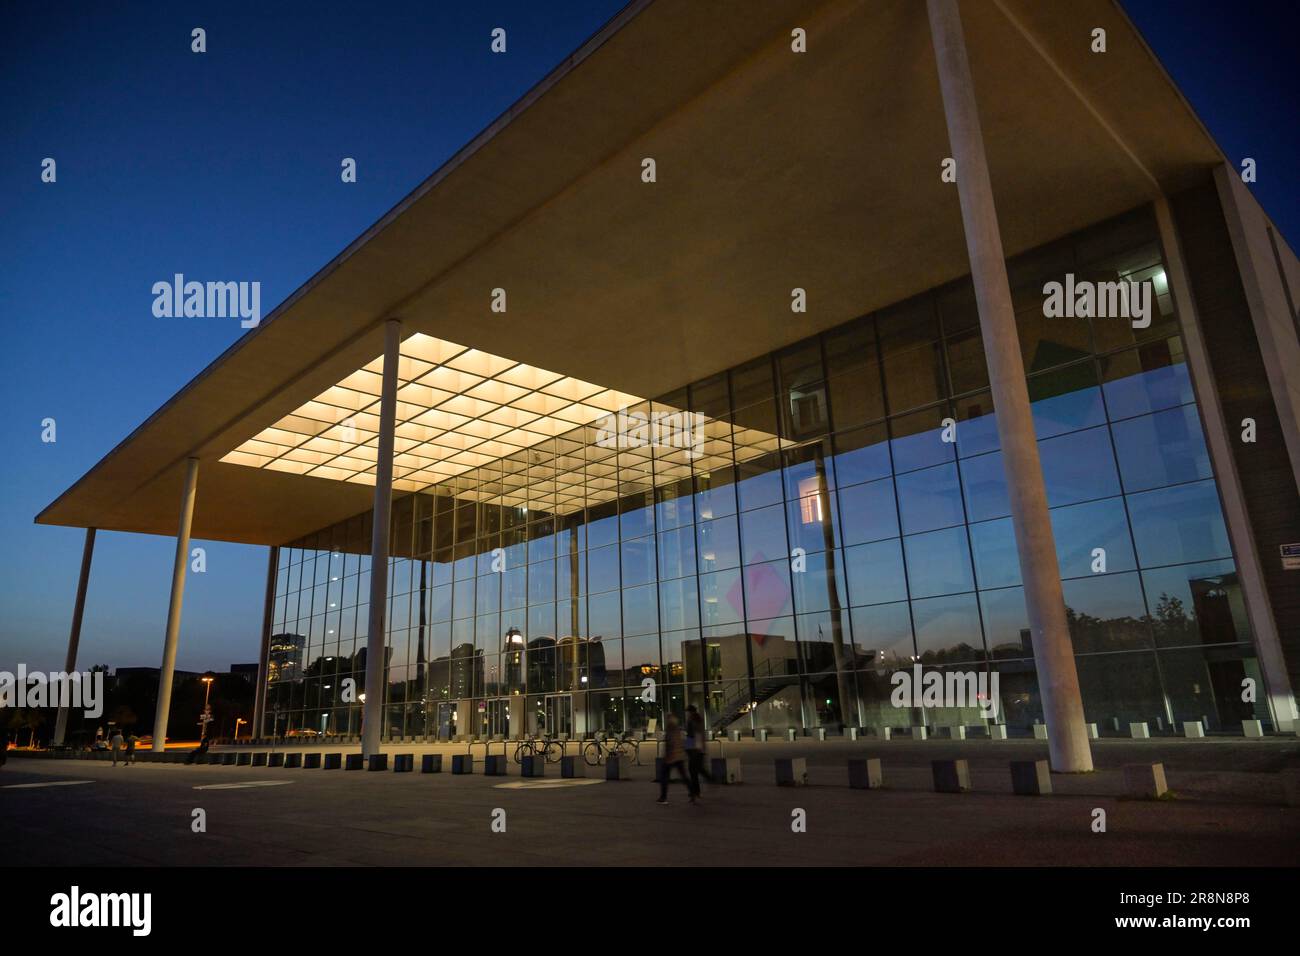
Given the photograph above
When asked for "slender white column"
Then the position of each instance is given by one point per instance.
(372, 714)
(263, 662)
(74, 637)
(1200, 366)
(1058, 680)
(174, 608)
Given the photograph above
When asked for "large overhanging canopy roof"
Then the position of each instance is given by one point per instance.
(476, 426)
(775, 170)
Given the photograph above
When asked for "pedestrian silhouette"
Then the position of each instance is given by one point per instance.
(696, 744)
(674, 757)
(116, 745)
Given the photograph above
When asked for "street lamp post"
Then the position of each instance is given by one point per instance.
(206, 717)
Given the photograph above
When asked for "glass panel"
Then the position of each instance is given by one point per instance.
(929, 499)
(1178, 525)
(1146, 379)
(948, 629)
(938, 563)
(1164, 448)
(875, 573)
(1197, 604)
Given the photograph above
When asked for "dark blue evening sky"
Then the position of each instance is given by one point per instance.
(226, 166)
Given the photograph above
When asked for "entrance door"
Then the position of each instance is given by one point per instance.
(496, 717)
(558, 709)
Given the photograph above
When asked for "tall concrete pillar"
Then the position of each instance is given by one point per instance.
(1058, 680)
(74, 637)
(263, 660)
(372, 715)
(174, 608)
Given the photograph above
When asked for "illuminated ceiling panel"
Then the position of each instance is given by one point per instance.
(485, 428)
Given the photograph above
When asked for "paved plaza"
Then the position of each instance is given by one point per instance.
(88, 812)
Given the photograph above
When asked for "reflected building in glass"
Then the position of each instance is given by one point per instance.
(845, 517)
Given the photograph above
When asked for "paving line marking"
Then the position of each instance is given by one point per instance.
(53, 783)
(244, 786)
(545, 784)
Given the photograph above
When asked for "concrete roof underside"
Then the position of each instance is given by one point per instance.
(775, 170)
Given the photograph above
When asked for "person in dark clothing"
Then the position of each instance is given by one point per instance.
(696, 742)
(198, 751)
(674, 757)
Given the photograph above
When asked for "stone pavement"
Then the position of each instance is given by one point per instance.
(1228, 811)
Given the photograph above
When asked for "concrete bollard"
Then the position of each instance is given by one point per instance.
(533, 765)
(494, 765)
(377, 762)
(954, 733)
(950, 776)
(571, 766)
(403, 763)
(851, 732)
(275, 760)
(734, 735)
(292, 761)
(1092, 731)
(259, 759)
(229, 759)
(354, 762)
(1031, 778)
(866, 774)
(431, 763)
(920, 732)
(616, 768)
(462, 763)
(1145, 781)
(311, 761)
(331, 761)
(1252, 728)
(791, 772)
(760, 734)
(725, 770)
(997, 731)
(886, 733)
(1040, 731)
(1193, 728)
(1138, 730)
(791, 734)
(820, 733)
(245, 760)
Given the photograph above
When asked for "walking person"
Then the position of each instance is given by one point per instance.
(4, 745)
(116, 744)
(696, 742)
(674, 756)
(130, 749)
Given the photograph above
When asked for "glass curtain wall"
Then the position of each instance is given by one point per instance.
(783, 582)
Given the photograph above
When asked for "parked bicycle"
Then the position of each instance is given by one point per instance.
(598, 749)
(544, 746)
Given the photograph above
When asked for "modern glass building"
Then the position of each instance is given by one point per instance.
(518, 614)
(737, 443)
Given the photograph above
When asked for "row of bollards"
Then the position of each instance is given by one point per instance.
(1028, 777)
